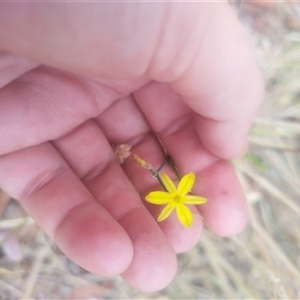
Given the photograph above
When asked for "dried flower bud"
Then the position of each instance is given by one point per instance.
(122, 151)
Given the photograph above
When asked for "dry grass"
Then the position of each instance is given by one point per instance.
(261, 263)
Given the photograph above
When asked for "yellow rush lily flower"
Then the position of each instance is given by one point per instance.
(176, 198)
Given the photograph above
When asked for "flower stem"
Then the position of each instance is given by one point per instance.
(148, 167)
(173, 166)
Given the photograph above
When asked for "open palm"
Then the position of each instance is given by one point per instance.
(59, 118)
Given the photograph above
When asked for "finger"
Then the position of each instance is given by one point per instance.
(172, 121)
(88, 153)
(58, 201)
(111, 27)
(123, 122)
(54, 100)
(150, 150)
(226, 212)
(12, 66)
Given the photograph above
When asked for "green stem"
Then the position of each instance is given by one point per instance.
(156, 175)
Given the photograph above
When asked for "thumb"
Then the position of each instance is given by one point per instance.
(199, 49)
(215, 73)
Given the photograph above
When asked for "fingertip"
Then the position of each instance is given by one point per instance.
(155, 263)
(226, 140)
(182, 238)
(95, 241)
(233, 221)
(234, 149)
(157, 276)
(226, 212)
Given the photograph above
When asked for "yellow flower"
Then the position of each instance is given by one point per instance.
(176, 198)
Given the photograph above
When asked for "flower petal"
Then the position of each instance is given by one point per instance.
(191, 199)
(159, 197)
(168, 183)
(166, 212)
(184, 215)
(186, 183)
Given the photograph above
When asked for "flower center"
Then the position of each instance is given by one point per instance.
(177, 199)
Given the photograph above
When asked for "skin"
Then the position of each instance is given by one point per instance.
(182, 71)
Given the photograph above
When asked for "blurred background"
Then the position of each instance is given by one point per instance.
(262, 262)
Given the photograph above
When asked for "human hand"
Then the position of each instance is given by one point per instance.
(123, 73)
